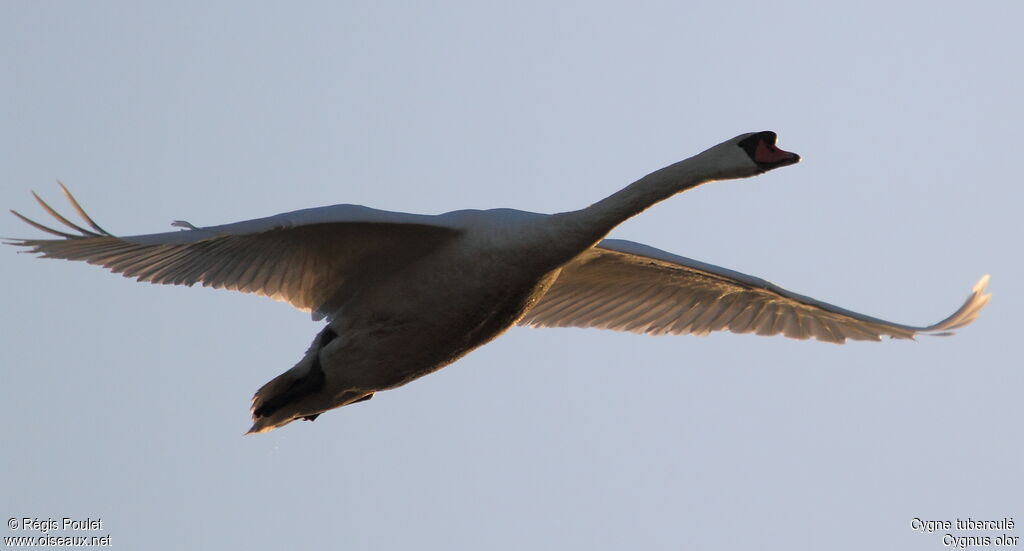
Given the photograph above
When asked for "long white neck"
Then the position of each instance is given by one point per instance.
(589, 225)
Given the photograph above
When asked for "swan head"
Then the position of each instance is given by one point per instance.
(748, 155)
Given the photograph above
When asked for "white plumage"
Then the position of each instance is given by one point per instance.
(629, 286)
(407, 294)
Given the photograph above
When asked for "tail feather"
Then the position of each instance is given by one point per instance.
(269, 409)
(302, 392)
(270, 405)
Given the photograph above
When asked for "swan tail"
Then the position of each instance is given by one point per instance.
(302, 392)
(280, 401)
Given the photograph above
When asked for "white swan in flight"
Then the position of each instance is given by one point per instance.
(406, 294)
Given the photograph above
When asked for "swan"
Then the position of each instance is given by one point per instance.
(407, 294)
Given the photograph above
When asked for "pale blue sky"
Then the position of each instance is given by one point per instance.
(128, 402)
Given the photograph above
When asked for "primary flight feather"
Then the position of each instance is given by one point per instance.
(405, 294)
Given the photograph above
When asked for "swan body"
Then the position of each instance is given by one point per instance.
(405, 294)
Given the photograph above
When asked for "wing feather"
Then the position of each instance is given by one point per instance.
(741, 323)
(304, 257)
(632, 287)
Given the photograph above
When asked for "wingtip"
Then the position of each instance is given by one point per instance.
(968, 311)
(979, 297)
(982, 284)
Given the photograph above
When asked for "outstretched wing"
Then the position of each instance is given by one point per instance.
(308, 258)
(632, 287)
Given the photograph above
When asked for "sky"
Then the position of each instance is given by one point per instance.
(128, 402)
